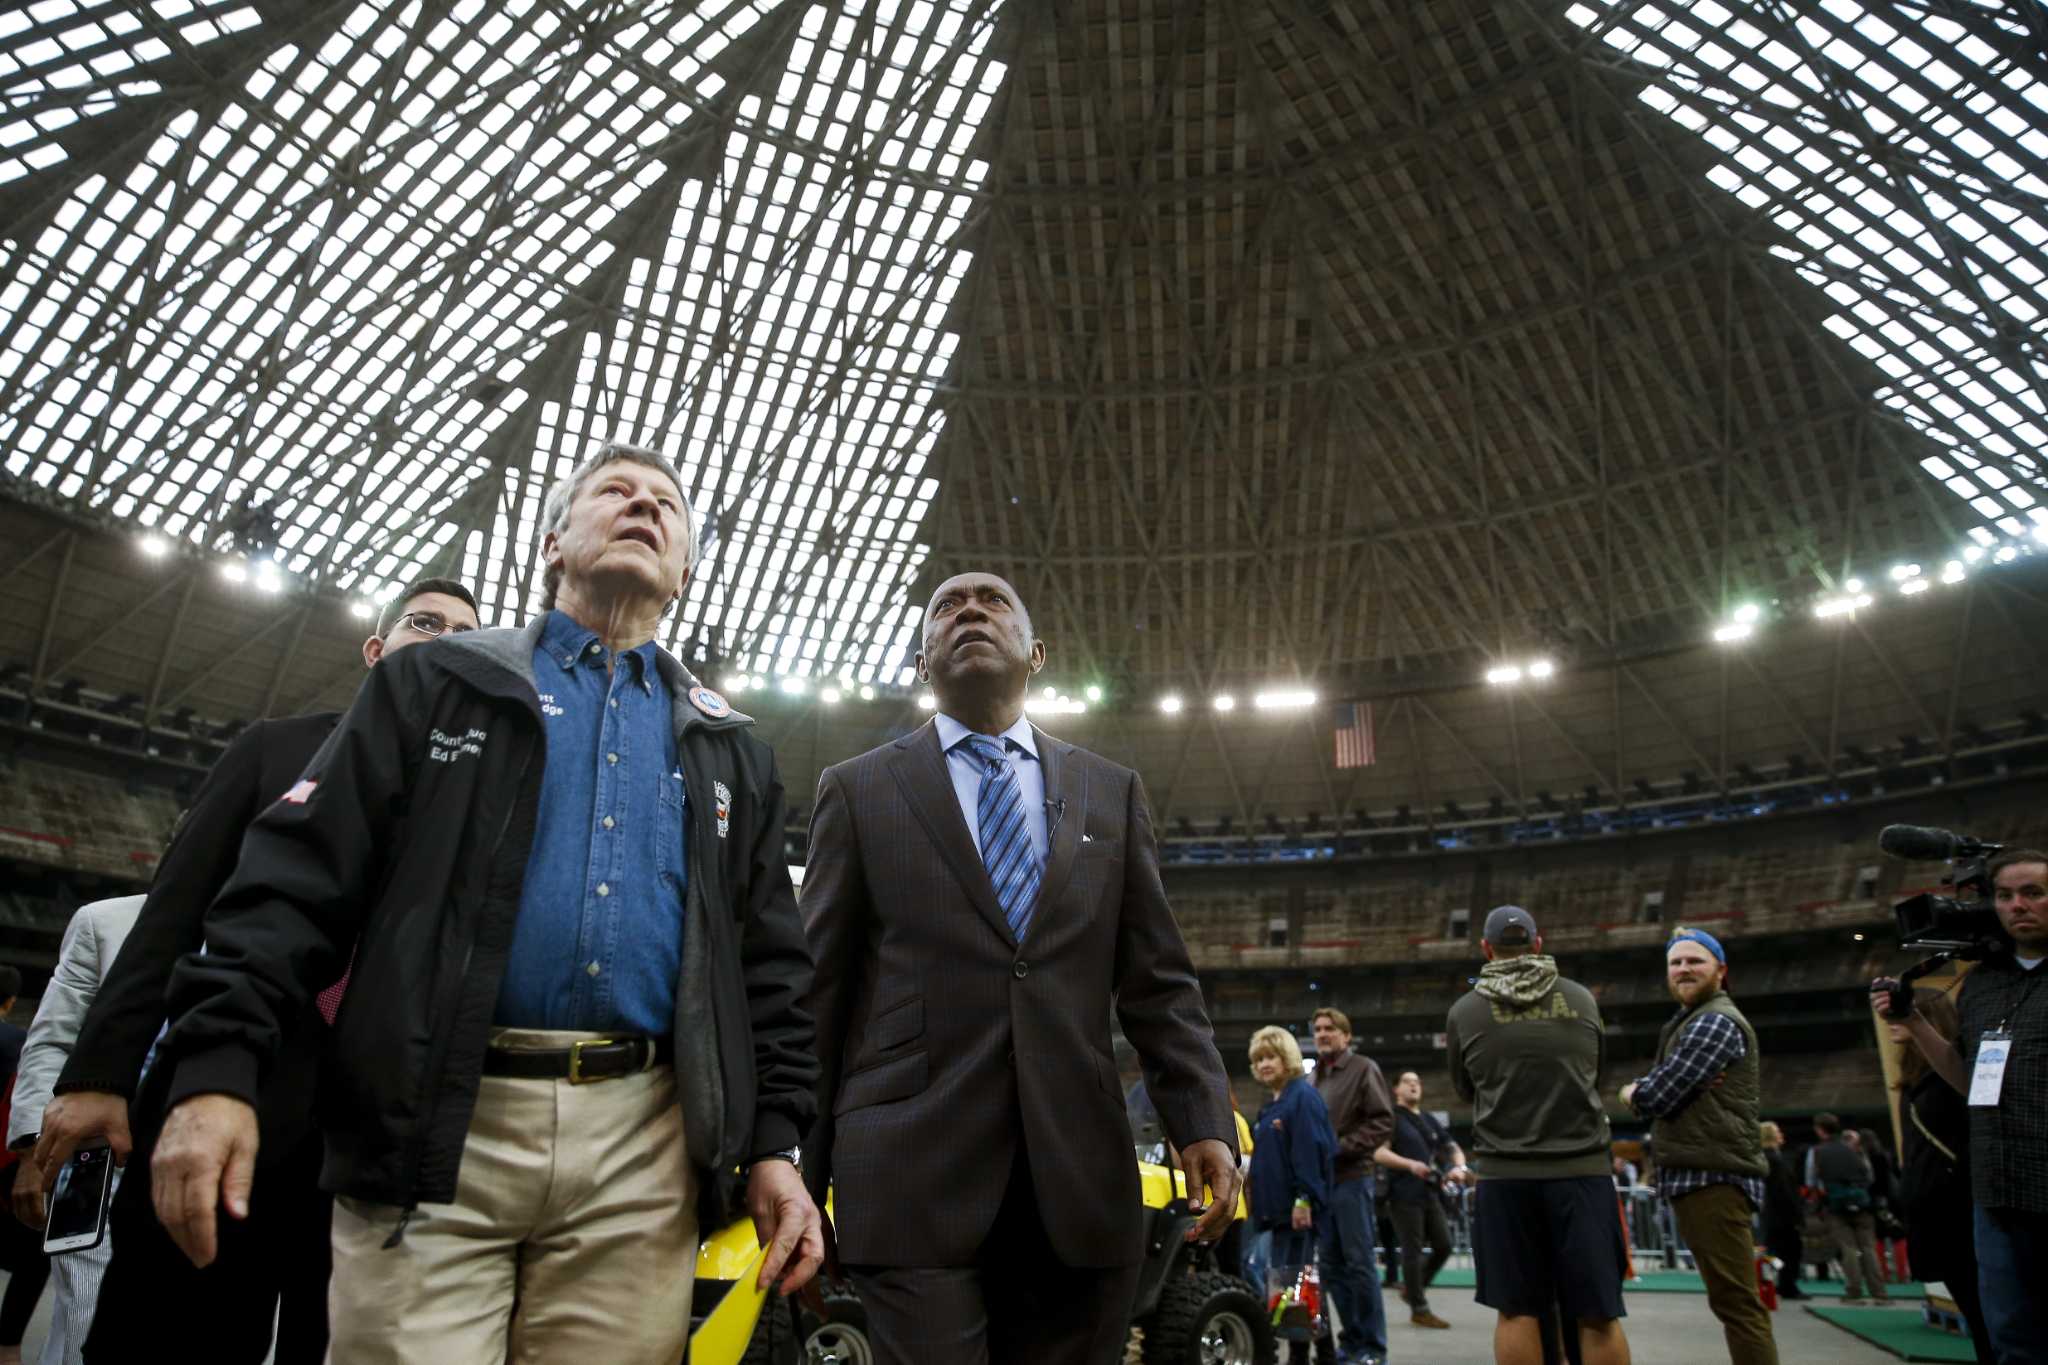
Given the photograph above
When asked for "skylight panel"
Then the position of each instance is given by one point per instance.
(1878, 240)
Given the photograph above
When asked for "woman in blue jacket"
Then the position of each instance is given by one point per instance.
(1294, 1154)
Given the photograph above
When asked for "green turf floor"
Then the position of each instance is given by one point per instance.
(1898, 1330)
(1686, 1282)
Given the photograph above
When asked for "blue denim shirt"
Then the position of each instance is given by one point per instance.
(599, 941)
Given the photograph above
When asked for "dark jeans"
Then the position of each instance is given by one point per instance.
(1349, 1276)
(2012, 1265)
(21, 1255)
(1789, 1247)
(1417, 1224)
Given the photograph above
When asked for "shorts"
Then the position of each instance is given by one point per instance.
(1536, 1243)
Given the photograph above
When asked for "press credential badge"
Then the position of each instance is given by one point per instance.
(1989, 1077)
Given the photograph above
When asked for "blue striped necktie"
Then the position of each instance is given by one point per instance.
(1006, 848)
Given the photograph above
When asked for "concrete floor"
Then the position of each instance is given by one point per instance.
(1663, 1329)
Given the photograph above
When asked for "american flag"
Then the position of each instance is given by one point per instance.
(1354, 734)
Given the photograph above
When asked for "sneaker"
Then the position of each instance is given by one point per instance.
(1425, 1318)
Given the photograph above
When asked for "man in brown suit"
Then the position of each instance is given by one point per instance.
(977, 895)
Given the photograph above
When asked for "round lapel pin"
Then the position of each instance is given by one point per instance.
(709, 702)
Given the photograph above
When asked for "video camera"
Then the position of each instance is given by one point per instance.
(1947, 924)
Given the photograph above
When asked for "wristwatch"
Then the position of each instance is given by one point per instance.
(793, 1155)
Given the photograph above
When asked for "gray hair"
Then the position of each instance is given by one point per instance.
(555, 511)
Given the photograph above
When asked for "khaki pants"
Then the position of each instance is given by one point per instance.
(1855, 1238)
(573, 1235)
(1714, 1221)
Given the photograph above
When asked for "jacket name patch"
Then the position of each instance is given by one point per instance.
(447, 748)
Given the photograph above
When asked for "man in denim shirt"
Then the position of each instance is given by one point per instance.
(574, 1026)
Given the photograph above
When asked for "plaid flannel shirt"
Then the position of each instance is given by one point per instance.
(1709, 1045)
(2009, 1141)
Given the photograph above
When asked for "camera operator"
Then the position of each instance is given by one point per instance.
(1999, 1062)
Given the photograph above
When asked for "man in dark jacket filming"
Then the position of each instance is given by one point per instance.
(574, 1016)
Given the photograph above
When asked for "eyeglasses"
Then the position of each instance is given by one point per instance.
(431, 624)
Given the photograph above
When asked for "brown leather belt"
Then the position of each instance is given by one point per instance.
(581, 1063)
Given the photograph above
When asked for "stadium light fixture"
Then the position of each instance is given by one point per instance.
(1853, 586)
(362, 611)
(268, 579)
(1902, 572)
(1504, 674)
(736, 684)
(1170, 705)
(1952, 572)
(2041, 532)
(1748, 614)
(1972, 553)
(867, 693)
(1284, 701)
(830, 696)
(793, 686)
(156, 547)
(1048, 692)
(1841, 606)
(2006, 554)
(1733, 632)
(234, 571)
(1093, 693)
(927, 702)
(1058, 704)
(1914, 585)
(1226, 702)
(1542, 668)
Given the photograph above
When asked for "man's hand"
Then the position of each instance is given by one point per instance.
(1628, 1093)
(77, 1119)
(787, 1223)
(1461, 1174)
(1890, 1000)
(1302, 1219)
(1210, 1165)
(28, 1193)
(206, 1158)
(1419, 1169)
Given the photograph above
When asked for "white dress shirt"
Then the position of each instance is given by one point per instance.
(1020, 747)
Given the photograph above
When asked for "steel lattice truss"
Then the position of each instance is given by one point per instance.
(1335, 344)
(375, 274)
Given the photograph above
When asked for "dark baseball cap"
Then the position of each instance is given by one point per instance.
(1505, 917)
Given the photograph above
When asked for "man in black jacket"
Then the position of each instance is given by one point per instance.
(574, 1014)
(274, 1265)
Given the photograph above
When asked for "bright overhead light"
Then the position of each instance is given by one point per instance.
(1972, 553)
(156, 547)
(362, 611)
(1952, 572)
(830, 696)
(793, 686)
(736, 685)
(927, 702)
(1226, 702)
(1049, 693)
(867, 693)
(1735, 630)
(1170, 705)
(1902, 572)
(267, 577)
(2041, 531)
(1747, 614)
(1854, 585)
(1283, 701)
(1841, 606)
(2006, 554)
(1542, 668)
(1092, 692)
(1504, 674)
(1913, 585)
(1056, 705)
(235, 572)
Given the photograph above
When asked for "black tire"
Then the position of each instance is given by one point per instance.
(1208, 1318)
(774, 1339)
(841, 1337)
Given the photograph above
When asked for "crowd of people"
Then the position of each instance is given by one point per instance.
(452, 1022)
(1548, 1233)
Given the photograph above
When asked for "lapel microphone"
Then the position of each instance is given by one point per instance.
(1054, 809)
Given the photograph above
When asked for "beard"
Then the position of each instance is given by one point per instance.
(1698, 990)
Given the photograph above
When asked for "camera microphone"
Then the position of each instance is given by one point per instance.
(1925, 844)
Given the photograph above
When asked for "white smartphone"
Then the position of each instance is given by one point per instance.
(78, 1206)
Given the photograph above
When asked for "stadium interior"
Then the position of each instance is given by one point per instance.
(1627, 416)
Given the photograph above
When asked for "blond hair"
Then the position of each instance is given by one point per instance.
(1274, 1041)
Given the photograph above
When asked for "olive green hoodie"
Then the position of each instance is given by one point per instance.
(1526, 1048)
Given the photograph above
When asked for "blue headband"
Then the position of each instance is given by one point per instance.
(1701, 937)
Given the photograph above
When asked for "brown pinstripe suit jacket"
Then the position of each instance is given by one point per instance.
(945, 1043)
